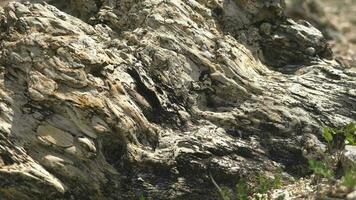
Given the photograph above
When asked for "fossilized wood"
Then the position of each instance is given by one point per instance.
(153, 96)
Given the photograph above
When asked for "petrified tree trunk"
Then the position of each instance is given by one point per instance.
(150, 97)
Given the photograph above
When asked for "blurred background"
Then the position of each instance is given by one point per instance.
(336, 19)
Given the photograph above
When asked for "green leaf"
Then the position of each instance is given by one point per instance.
(327, 134)
(142, 197)
(350, 139)
(350, 128)
(349, 133)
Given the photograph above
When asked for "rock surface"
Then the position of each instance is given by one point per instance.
(108, 99)
(348, 157)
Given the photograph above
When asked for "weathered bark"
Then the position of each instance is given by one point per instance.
(153, 97)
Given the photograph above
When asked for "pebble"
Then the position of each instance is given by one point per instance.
(266, 28)
(310, 51)
(351, 196)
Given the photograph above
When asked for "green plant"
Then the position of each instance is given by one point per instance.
(264, 184)
(338, 138)
(223, 192)
(142, 197)
(226, 194)
(349, 179)
(321, 169)
(242, 190)
(349, 132)
(281, 197)
(277, 181)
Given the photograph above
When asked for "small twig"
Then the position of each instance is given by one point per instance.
(217, 187)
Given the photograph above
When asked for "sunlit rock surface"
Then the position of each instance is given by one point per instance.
(114, 99)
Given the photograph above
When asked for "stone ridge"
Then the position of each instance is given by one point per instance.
(113, 99)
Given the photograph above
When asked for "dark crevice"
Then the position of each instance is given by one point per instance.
(113, 151)
(7, 160)
(150, 96)
(98, 3)
(291, 157)
(82, 11)
(96, 70)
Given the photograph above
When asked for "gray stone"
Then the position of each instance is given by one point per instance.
(111, 99)
(348, 156)
(351, 196)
